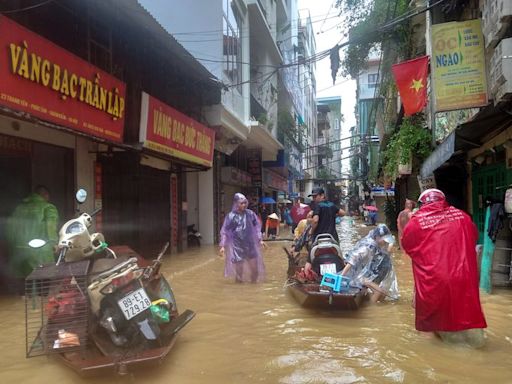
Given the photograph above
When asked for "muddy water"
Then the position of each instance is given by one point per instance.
(257, 334)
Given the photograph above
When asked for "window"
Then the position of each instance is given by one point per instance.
(373, 79)
(232, 42)
(100, 44)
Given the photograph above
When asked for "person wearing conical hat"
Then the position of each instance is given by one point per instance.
(272, 226)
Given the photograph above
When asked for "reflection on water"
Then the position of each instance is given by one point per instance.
(258, 334)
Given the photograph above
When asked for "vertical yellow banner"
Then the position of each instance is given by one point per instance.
(458, 65)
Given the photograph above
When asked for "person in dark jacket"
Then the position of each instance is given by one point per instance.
(324, 218)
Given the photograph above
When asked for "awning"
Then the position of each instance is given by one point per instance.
(489, 122)
(441, 154)
(486, 124)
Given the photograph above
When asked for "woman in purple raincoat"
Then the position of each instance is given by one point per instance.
(240, 243)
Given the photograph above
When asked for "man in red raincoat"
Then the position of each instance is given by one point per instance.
(441, 239)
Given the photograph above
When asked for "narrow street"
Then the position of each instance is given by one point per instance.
(258, 334)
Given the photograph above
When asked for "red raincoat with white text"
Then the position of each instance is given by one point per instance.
(441, 239)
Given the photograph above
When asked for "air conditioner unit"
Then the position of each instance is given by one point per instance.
(500, 72)
(496, 17)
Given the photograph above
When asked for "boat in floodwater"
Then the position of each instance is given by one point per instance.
(325, 256)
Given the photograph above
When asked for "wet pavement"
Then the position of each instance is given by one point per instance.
(256, 333)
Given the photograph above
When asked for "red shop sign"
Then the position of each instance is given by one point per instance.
(164, 129)
(48, 82)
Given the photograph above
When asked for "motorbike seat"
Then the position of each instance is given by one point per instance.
(329, 258)
(106, 266)
(326, 250)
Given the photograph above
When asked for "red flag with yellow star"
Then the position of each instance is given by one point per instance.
(411, 81)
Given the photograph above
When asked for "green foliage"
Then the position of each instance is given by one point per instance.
(263, 119)
(324, 174)
(288, 128)
(364, 16)
(411, 139)
(286, 123)
(354, 165)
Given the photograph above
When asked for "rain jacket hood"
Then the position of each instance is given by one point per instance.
(241, 235)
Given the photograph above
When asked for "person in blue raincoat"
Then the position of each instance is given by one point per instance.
(241, 243)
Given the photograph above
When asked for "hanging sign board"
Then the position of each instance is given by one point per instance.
(50, 83)
(426, 182)
(166, 130)
(458, 65)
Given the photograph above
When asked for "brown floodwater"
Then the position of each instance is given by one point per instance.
(256, 333)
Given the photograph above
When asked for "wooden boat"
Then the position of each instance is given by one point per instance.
(309, 295)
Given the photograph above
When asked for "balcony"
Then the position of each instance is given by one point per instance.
(500, 76)
(260, 32)
(282, 12)
(496, 19)
(261, 135)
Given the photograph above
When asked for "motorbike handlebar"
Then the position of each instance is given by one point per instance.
(162, 252)
(155, 266)
(95, 212)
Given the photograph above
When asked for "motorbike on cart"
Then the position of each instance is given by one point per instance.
(100, 308)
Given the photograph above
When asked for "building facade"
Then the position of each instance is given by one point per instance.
(93, 96)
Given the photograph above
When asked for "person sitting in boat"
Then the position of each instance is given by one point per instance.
(302, 232)
(298, 253)
(369, 264)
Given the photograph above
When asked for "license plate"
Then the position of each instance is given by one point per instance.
(134, 303)
(327, 268)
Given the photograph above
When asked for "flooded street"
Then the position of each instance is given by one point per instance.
(258, 334)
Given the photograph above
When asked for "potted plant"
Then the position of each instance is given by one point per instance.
(411, 141)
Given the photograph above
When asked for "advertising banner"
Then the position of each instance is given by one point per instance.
(275, 181)
(426, 182)
(166, 130)
(50, 83)
(458, 65)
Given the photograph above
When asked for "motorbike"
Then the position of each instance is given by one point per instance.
(100, 308)
(193, 236)
(310, 292)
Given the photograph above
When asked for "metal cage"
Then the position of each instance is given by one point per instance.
(56, 308)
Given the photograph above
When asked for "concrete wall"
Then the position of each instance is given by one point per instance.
(365, 89)
(198, 27)
(193, 199)
(84, 170)
(205, 206)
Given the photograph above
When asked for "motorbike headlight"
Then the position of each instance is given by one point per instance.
(75, 227)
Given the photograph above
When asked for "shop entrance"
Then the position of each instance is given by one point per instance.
(24, 164)
(488, 181)
(136, 204)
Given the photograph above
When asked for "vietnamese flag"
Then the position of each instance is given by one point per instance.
(411, 81)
